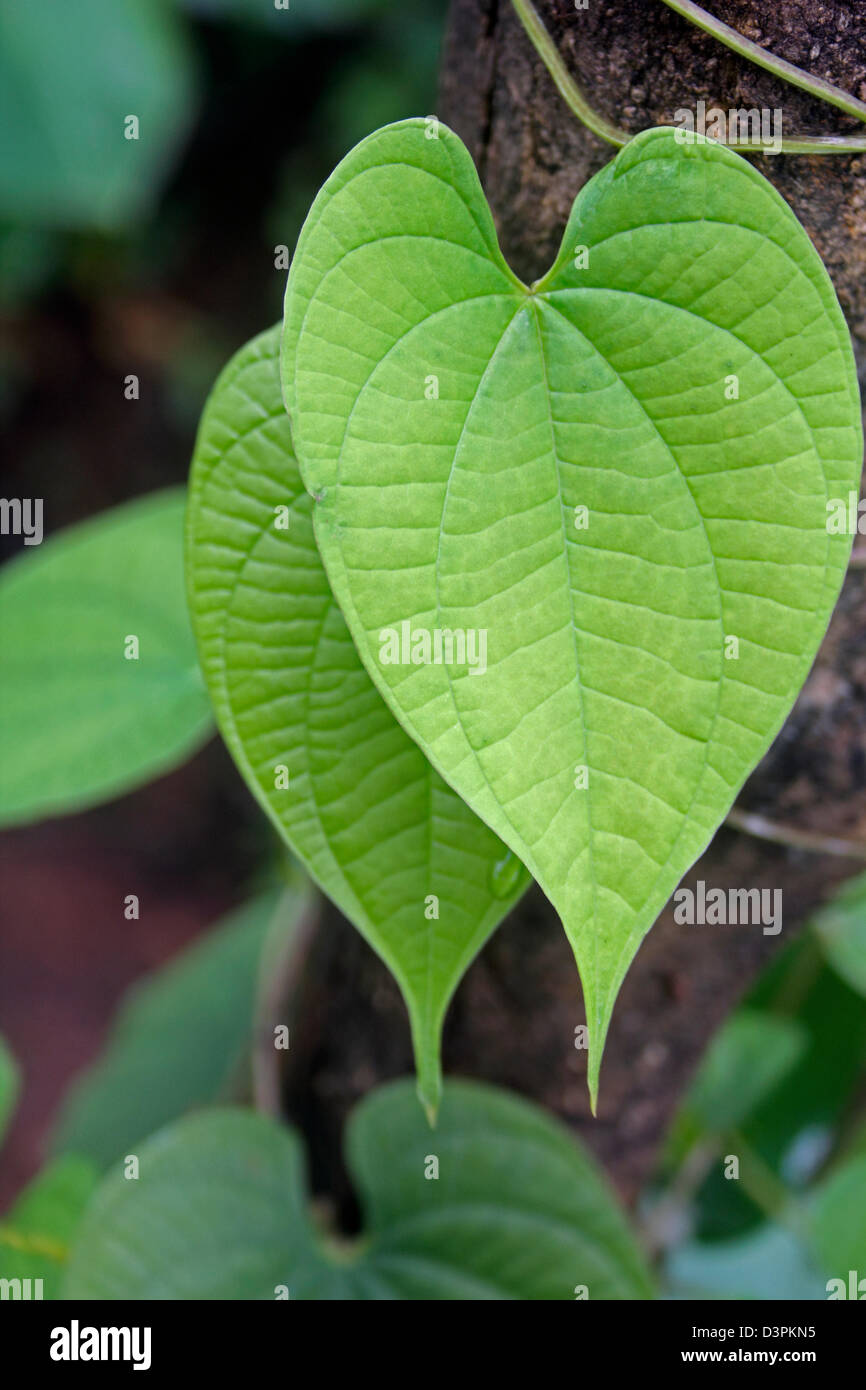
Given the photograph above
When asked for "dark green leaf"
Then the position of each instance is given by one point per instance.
(220, 1212)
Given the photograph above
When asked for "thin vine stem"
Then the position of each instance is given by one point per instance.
(763, 829)
(563, 80)
(815, 86)
(577, 103)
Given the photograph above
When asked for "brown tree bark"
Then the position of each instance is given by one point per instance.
(514, 1019)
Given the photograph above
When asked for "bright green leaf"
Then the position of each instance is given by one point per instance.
(419, 875)
(36, 1234)
(220, 1212)
(80, 721)
(841, 931)
(684, 374)
(66, 93)
(751, 1055)
(178, 1041)
(8, 1087)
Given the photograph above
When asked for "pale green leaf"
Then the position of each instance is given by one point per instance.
(841, 930)
(378, 829)
(79, 721)
(768, 1263)
(35, 1236)
(220, 1212)
(179, 1039)
(690, 382)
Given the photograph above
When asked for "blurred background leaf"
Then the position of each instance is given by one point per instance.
(769, 1263)
(841, 931)
(36, 1234)
(293, 16)
(68, 81)
(746, 1061)
(78, 721)
(180, 1036)
(782, 1091)
(838, 1224)
(8, 1087)
(516, 1210)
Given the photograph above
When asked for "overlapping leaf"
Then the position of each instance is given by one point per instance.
(219, 1211)
(421, 877)
(619, 475)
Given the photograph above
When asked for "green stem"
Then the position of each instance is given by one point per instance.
(818, 144)
(760, 1183)
(606, 130)
(565, 83)
(815, 86)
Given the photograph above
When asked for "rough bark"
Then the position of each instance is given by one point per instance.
(514, 1019)
(638, 63)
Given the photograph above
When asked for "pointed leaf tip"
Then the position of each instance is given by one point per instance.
(348, 790)
(601, 478)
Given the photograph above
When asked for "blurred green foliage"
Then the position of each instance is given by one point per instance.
(68, 156)
(180, 1040)
(35, 1236)
(514, 1209)
(8, 1087)
(841, 930)
(781, 1092)
(69, 172)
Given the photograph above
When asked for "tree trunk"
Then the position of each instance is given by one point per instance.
(514, 1019)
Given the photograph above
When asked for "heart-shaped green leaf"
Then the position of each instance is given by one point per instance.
(615, 480)
(498, 1203)
(421, 877)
